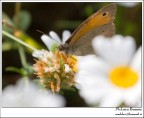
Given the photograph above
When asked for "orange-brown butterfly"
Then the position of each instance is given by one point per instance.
(100, 23)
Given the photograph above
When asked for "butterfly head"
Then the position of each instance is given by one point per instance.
(63, 47)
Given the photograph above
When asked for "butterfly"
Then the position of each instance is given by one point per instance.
(99, 23)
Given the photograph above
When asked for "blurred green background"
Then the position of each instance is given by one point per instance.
(23, 19)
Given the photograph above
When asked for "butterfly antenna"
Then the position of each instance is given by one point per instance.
(46, 35)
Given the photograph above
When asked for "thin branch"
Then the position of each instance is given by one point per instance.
(18, 40)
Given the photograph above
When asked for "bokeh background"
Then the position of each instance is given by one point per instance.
(56, 17)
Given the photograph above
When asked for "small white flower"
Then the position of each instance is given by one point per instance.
(128, 4)
(29, 95)
(54, 38)
(53, 68)
(114, 76)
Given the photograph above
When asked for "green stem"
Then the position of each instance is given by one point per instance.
(22, 56)
(26, 80)
(18, 40)
(17, 10)
(17, 7)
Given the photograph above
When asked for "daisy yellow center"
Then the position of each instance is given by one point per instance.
(123, 77)
(73, 61)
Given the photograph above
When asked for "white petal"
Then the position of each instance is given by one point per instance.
(128, 4)
(117, 51)
(87, 81)
(132, 99)
(91, 95)
(133, 95)
(113, 98)
(91, 71)
(66, 34)
(48, 41)
(91, 78)
(54, 36)
(139, 104)
(38, 54)
(91, 64)
(92, 89)
(136, 62)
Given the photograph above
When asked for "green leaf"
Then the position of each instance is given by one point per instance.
(54, 47)
(22, 20)
(28, 39)
(6, 46)
(88, 10)
(66, 24)
(21, 71)
(13, 69)
(7, 25)
(130, 28)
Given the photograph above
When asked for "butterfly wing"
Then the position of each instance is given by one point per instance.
(100, 23)
(83, 45)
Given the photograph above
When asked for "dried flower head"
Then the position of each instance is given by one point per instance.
(55, 70)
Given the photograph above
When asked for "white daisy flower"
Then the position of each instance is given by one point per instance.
(128, 4)
(29, 95)
(54, 38)
(113, 77)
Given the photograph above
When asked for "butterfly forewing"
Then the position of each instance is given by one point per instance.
(100, 23)
(83, 45)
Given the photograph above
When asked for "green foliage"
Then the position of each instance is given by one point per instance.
(29, 40)
(17, 70)
(22, 20)
(7, 25)
(6, 46)
(54, 47)
(17, 27)
(89, 10)
(66, 24)
(22, 71)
